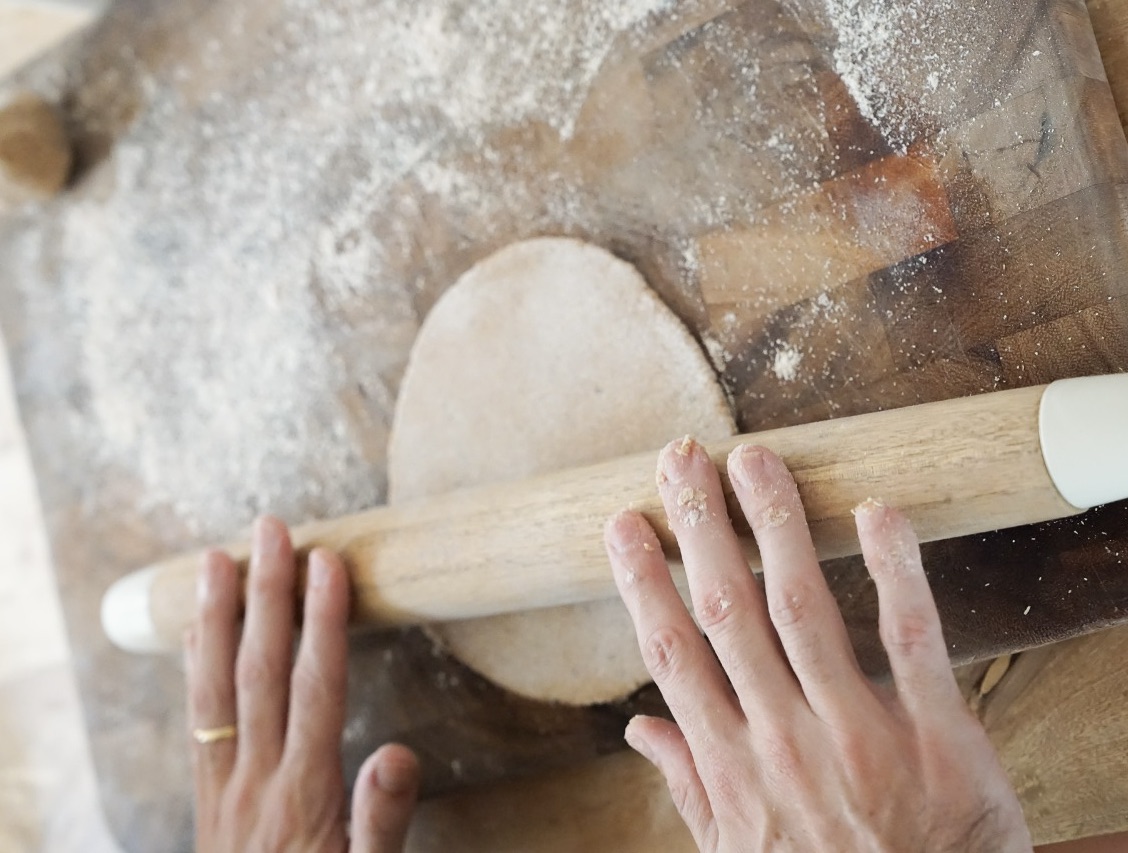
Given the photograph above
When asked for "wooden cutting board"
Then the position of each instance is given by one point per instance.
(852, 213)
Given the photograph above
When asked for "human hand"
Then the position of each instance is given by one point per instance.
(278, 783)
(781, 742)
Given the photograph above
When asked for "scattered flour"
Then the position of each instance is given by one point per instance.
(229, 387)
(880, 47)
(785, 363)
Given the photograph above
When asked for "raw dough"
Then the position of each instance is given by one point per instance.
(549, 354)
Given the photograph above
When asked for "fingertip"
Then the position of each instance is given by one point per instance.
(889, 543)
(675, 458)
(384, 798)
(634, 735)
(216, 589)
(628, 531)
(395, 770)
(324, 568)
(875, 513)
(266, 521)
(616, 523)
(270, 535)
(745, 465)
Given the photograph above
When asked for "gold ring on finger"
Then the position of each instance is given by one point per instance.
(206, 736)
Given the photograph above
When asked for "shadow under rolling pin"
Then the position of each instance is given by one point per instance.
(956, 467)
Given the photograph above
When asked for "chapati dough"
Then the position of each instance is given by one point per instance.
(549, 354)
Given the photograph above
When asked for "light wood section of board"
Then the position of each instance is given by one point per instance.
(48, 793)
(28, 28)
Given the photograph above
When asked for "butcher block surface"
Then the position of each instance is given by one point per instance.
(852, 210)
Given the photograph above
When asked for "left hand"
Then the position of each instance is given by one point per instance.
(278, 783)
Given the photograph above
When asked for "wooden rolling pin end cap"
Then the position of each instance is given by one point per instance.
(35, 151)
(1083, 429)
(126, 616)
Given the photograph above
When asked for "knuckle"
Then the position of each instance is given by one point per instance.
(312, 683)
(858, 760)
(257, 672)
(808, 655)
(791, 607)
(214, 610)
(911, 633)
(781, 755)
(265, 583)
(312, 798)
(715, 611)
(641, 568)
(663, 653)
(724, 780)
(242, 795)
(207, 699)
(682, 793)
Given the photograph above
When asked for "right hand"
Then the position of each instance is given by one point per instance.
(780, 741)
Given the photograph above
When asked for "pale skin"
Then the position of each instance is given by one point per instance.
(779, 742)
(279, 784)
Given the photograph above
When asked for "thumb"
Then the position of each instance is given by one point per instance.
(384, 800)
(662, 744)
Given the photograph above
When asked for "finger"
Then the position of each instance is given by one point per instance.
(317, 693)
(726, 595)
(804, 612)
(214, 641)
(909, 623)
(265, 656)
(661, 743)
(383, 800)
(675, 654)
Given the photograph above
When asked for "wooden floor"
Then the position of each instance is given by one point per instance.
(47, 793)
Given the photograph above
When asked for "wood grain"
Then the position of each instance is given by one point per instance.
(1060, 723)
(956, 467)
(668, 149)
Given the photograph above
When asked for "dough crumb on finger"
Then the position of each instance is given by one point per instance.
(775, 516)
(868, 505)
(694, 504)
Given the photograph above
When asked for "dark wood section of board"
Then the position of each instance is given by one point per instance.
(1006, 269)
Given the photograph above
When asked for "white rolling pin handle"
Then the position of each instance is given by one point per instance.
(1083, 429)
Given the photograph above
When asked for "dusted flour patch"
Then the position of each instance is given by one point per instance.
(547, 355)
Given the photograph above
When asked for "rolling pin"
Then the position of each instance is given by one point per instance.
(956, 467)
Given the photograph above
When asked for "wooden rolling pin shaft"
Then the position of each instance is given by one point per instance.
(956, 467)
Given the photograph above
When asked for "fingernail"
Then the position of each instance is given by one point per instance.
(749, 465)
(673, 459)
(638, 743)
(621, 533)
(869, 505)
(392, 777)
(318, 570)
(266, 535)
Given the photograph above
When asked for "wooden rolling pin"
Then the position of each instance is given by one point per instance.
(957, 467)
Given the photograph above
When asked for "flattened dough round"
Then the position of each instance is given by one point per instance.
(549, 354)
